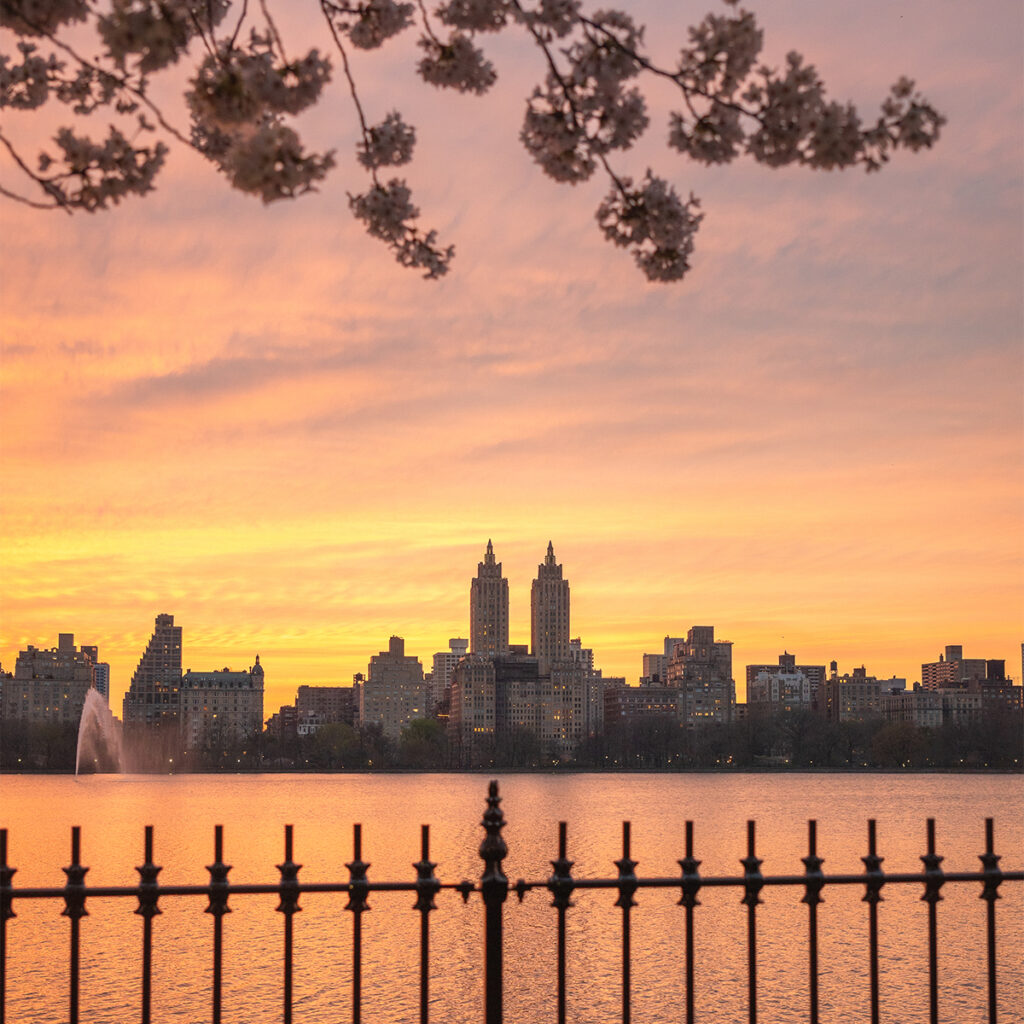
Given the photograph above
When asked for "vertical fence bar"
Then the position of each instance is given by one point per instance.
(74, 909)
(147, 909)
(627, 887)
(933, 883)
(218, 907)
(691, 886)
(289, 906)
(561, 886)
(427, 886)
(494, 890)
(990, 893)
(358, 891)
(815, 880)
(875, 879)
(6, 913)
(753, 882)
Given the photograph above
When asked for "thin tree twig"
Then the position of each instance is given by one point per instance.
(351, 84)
(48, 187)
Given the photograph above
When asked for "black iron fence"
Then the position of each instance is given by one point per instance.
(493, 888)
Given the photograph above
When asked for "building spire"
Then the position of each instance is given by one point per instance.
(549, 558)
(489, 556)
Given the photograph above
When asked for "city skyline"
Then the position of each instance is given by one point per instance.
(280, 691)
(249, 417)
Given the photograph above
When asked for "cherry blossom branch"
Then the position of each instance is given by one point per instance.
(427, 27)
(123, 83)
(273, 31)
(353, 92)
(238, 25)
(566, 92)
(59, 202)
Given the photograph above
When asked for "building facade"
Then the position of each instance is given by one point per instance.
(443, 665)
(780, 689)
(624, 704)
(102, 677)
(920, 708)
(488, 608)
(153, 697)
(952, 669)
(496, 699)
(394, 692)
(701, 669)
(49, 685)
(852, 697)
(815, 674)
(473, 712)
(324, 704)
(549, 613)
(221, 708)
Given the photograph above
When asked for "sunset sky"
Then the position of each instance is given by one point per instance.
(252, 418)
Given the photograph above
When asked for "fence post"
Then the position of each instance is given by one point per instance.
(427, 887)
(149, 894)
(358, 890)
(494, 889)
(6, 913)
(814, 883)
(691, 886)
(933, 883)
(74, 909)
(753, 884)
(289, 906)
(218, 891)
(627, 886)
(990, 893)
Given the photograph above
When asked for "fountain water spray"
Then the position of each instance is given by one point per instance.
(99, 738)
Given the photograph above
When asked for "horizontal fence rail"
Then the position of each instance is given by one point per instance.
(493, 887)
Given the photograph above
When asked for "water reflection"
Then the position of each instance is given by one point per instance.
(254, 809)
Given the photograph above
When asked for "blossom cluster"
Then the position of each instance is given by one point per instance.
(243, 98)
(550, 18)
(456, 64)
(101, 174)
(155, 33)
(41, 17)
(585, 111)
(26, 86)
(237, 100)
(388, 144)
(369, 24)
(654, 223)
(790, 118)
(388, 213)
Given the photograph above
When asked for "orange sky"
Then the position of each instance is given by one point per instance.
(251, 418)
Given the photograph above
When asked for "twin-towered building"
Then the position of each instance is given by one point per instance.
(496, 692)
(549, 611)
(550, 690)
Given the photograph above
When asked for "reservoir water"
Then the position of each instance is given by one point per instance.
(113, 810)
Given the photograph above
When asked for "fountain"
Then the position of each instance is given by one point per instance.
(99, 738)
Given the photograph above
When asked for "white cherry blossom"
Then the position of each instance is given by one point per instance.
(388, 144)
(456, 64)
(41, 17)
(246, 93)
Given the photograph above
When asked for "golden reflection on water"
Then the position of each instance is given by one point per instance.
(253, 809)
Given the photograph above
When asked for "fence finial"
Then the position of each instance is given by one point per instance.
(493, 849)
